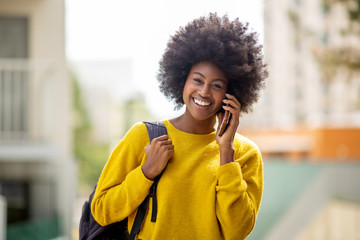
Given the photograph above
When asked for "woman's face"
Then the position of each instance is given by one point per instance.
(204, 90)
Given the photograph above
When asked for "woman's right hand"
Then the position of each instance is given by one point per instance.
(158, 153)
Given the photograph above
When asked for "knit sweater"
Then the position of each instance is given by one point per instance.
(197, 198)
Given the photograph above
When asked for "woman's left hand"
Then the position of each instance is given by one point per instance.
(225, 141)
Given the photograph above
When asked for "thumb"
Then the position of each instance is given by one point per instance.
(147, 148)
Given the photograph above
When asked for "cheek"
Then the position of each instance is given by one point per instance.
(185, 94)
(184, 91)
(221, 97)
(187, 90)
(219, 100)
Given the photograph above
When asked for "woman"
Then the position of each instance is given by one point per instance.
(211, 185)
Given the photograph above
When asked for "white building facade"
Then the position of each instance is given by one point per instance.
(37, 170)
(297, 92)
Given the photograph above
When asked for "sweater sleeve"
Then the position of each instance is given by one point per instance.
(122, 185)
(238, 194)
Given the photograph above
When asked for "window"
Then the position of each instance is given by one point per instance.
(17, 197)
(13, 77)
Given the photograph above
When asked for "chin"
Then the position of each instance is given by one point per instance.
(204, 118)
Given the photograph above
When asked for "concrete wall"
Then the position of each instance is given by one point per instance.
(46, 159)
(2, 218)
(47, 49)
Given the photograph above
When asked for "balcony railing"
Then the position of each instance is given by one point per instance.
(21, 96)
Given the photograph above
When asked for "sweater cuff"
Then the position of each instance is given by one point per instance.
(228, 172)
(139, 183)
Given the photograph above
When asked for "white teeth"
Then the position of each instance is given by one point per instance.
(201, 103)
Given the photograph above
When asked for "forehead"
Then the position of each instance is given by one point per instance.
(208, 69)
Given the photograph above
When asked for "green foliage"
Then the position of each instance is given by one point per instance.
(90, 156)
(326, 6)
(352, 7)
(91, 160)
(354, 13)
(333, 58)
(136, 110)
(346, 56)
(82, 121)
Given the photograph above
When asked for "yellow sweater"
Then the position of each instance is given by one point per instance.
(197, 198)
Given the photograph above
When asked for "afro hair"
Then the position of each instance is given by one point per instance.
(226, 43)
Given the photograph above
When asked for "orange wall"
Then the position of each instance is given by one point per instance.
(322, 144)
(336, 143)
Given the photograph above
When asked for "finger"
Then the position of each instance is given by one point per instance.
(171, 152)
(167, 147)
(168, 151)
(232, 99)
(234, 117)
(147, 147)
(232, 103)
(170, 147)
(166, 142)
(161, 138)
(232, 110)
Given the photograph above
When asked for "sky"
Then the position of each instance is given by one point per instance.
(103, 30)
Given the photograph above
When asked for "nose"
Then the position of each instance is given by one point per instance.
(205, 91)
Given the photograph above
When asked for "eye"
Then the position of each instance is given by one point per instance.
(197, 80)
(217, 86)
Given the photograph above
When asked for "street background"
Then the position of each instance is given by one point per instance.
(75, 75)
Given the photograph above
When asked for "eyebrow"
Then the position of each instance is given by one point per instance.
(199, 74)
(217, 79)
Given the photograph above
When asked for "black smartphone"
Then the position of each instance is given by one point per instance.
(224, 123)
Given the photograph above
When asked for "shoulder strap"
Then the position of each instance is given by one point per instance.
(155, 129)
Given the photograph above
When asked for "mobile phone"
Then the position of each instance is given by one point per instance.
(224, 123)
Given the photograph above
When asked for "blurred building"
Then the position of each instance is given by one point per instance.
(37, 171)
(113, 101)
(308, 108)
(298, 91)
(113, 104)
(307, 125)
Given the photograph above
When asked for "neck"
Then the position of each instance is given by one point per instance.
(188, 124)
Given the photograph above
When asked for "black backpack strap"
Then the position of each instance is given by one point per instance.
(140, 215)
(154, 198)
(155, 129)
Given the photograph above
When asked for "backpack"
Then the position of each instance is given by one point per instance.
(89, 229)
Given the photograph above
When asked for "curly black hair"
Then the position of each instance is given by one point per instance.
(226, 43)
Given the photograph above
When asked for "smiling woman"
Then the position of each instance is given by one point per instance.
(203, 95)
(239, 56)
(211, 184)
(119, 29)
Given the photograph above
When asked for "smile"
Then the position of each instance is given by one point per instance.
(201, 103)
